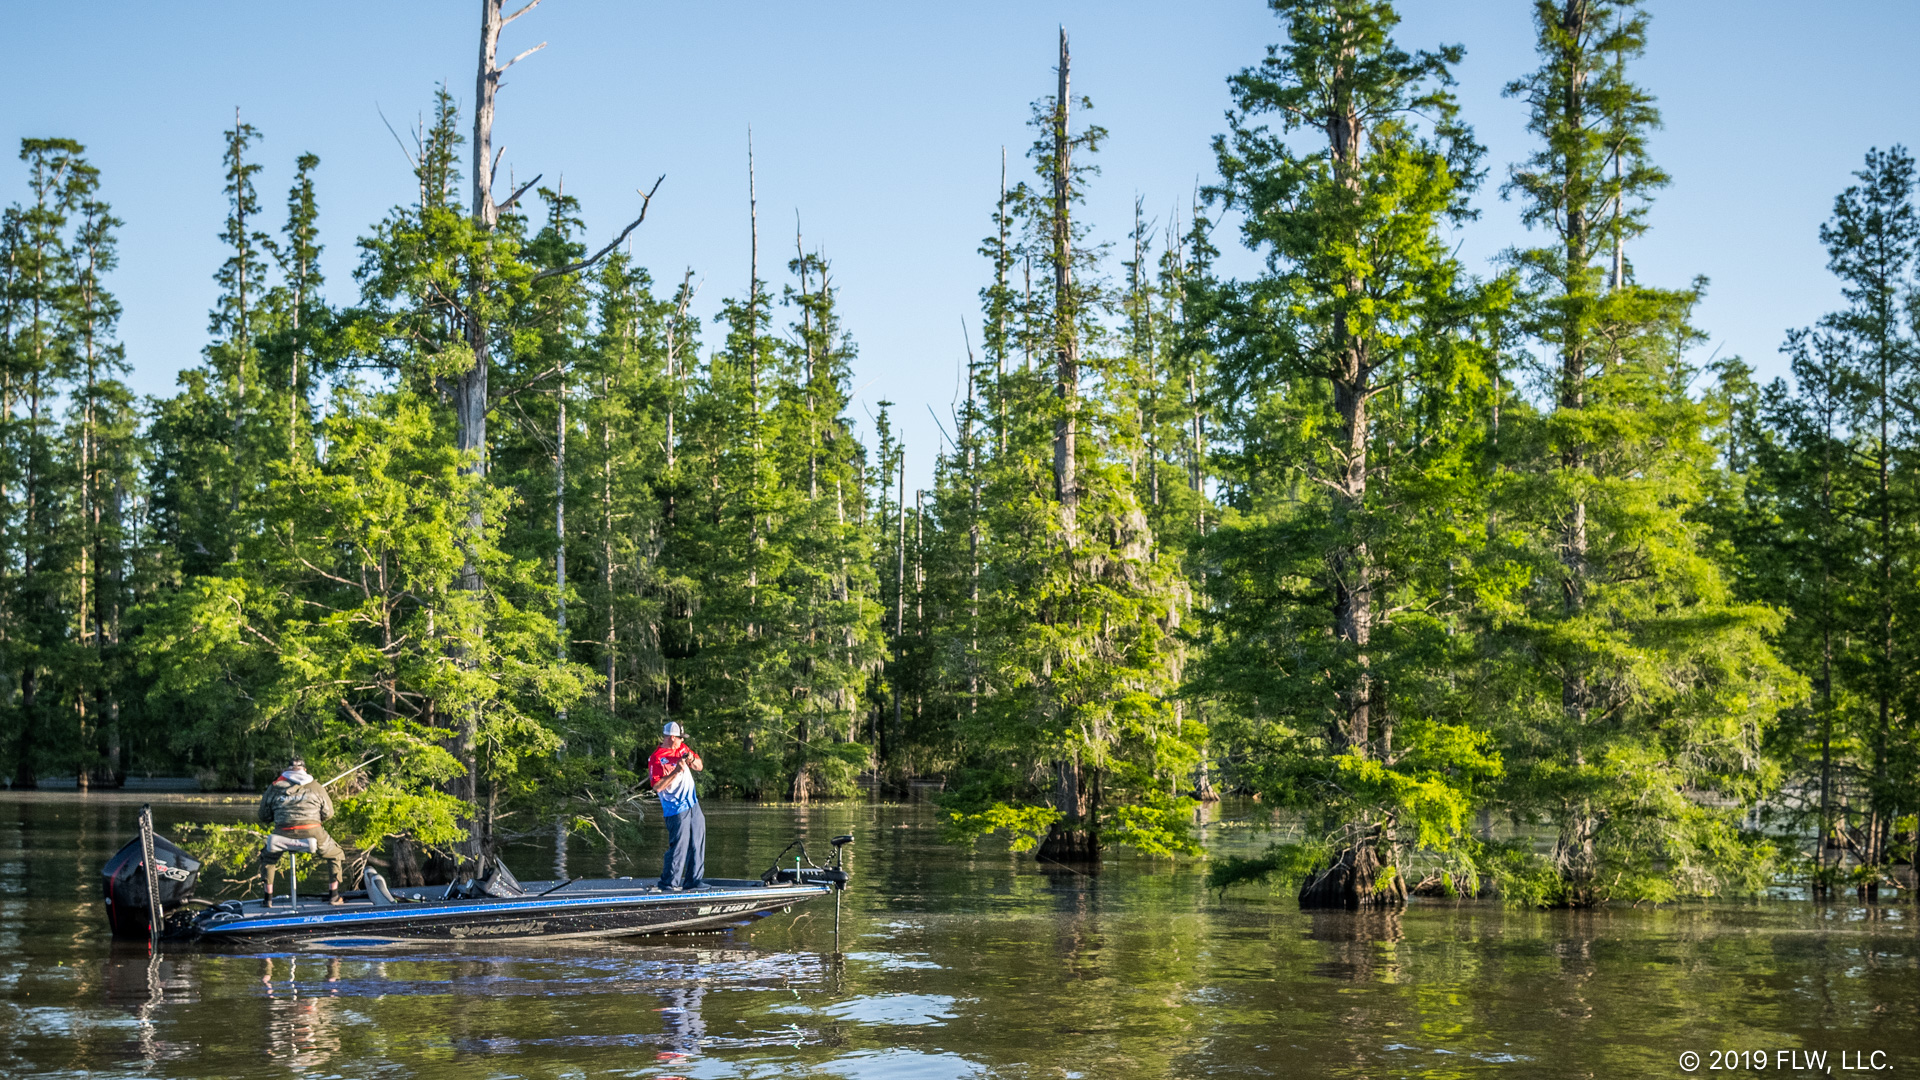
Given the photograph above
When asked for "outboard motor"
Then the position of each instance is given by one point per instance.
(125, 881)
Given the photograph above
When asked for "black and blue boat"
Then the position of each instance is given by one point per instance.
(490, 905)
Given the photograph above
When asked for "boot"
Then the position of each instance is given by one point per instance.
(333, 896)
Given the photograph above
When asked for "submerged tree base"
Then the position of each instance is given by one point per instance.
(1069, 845)
(1352, 880)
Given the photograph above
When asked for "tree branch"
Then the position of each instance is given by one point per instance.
(531, 4)
(504, 206)
(502, 69)
(330, 577)
(646, 200)
(272, 644)
(396, 138)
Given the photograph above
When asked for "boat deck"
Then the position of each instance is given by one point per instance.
(315, 902)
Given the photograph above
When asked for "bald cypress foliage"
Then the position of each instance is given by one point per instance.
(1050, 614)
(70, 461)
(1633, 678)
(1826, 530)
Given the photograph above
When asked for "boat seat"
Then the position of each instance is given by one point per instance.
(377, 892)
(490, 878)
(277, 844)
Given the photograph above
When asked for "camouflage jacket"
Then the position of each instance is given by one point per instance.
(287, 804)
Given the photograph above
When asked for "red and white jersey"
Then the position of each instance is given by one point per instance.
(676, 794)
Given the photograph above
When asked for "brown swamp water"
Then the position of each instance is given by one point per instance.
(954, 964)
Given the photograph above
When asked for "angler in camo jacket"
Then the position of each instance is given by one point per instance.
(296, 805)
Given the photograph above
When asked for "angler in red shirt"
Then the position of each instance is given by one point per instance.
(671, 769)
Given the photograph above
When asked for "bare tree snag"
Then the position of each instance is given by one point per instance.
(899, 590)
(1066, 337)
(469, 389)
(646, 200)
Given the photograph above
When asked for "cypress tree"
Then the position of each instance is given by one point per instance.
(1834, 473)
(1662, 681)
(102, 434)
(1069, 670)
(1348, 377)
(302, 343)
(834, 636)
(41, 362)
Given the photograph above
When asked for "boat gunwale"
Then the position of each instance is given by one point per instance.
(412, 912)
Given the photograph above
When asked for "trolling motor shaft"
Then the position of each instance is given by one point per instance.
(839, 865)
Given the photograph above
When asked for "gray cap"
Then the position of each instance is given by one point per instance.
(673, 728)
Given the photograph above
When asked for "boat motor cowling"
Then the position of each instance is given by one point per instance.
(124, 881)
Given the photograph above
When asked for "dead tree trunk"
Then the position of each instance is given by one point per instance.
(469, 388)
(560, 525)
(899, 600)
(1066, 336)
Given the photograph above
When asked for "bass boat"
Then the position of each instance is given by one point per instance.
(489, 905)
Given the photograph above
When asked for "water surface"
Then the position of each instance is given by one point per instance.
(951, 964)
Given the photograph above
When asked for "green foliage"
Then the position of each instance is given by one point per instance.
(1038, 630)
(1628, 677)
(1821, 519)
(1024, 826)
(1281, 865)
(1311, 540)
(1520, 877)
(229, 855)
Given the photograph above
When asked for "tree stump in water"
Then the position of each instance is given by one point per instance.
(441, 868)
(405, 870)
(1069, 845)
(1348, 881)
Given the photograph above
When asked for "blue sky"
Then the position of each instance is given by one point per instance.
(882, 124)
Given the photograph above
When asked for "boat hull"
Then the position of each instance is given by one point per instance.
(582, 910)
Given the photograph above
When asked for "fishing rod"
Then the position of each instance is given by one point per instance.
(353, 770)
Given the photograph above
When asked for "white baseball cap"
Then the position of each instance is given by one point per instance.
(673, 728)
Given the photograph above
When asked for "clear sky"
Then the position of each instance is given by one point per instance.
(881, 124)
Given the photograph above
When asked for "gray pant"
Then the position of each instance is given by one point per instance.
(686, 849)
(329, 853)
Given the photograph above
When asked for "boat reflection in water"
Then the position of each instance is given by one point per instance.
(305, 1006)
(685, 1030)
(302, 1028)
(147, 983)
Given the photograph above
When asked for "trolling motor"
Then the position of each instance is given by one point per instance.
(833, 877)
(805, 871)
(839, 867)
